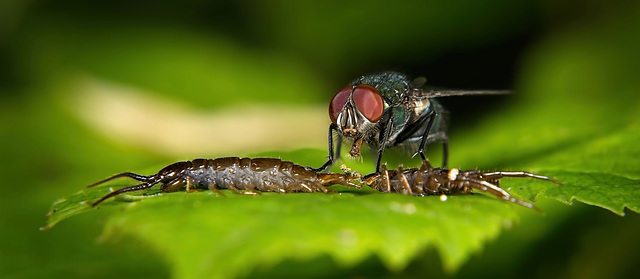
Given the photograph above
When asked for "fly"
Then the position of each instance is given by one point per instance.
(386, 110)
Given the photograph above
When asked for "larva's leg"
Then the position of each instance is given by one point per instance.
(243, 192)
(321, 188)
(498, 192)
(235, 189)
(403, 180)
(212, 186)
(308, 188)
(385, 176)
(191, 185)
(330, 179)
(252, 192)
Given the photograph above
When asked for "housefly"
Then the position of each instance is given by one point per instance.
(386, 110)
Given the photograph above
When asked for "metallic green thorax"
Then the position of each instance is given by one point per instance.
(393, 86)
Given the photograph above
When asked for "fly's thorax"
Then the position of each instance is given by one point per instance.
(393, 86)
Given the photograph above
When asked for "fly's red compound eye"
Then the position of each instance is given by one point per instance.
(338, 102)
(369, 102)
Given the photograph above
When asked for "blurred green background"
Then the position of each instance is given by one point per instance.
(90, 88)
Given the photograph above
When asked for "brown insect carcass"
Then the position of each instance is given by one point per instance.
(241, 175)
(428, 180)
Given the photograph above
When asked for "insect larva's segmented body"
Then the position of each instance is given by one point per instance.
(428, 180)
(236, 174)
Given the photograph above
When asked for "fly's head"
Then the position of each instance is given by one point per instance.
(356, 110)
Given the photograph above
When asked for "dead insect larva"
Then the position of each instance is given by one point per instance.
(428, 180)
(241, 175)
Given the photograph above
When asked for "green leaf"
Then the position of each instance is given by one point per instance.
(80, 202)
(572, 118)
(609, 182)
(206, 235)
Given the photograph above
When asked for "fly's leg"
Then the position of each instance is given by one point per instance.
(338, 146)
(332, 127)
(431, 116)
(383, 141)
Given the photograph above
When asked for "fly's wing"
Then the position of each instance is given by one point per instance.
(435, 93)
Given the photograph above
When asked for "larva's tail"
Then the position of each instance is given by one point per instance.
(135, 176)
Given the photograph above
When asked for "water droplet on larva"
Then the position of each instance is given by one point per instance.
(443, 197)
(453, 174)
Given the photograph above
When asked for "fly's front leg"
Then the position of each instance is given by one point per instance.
(332, 127)
(383, 141)
(380, 152)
